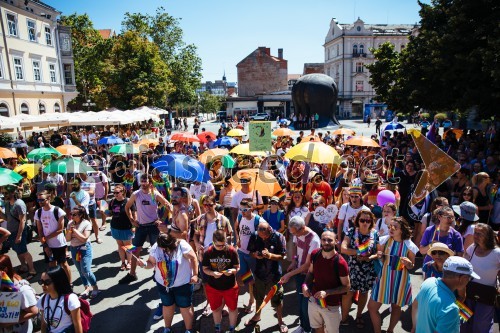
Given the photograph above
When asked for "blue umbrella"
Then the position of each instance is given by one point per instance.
(110, 140)
(183, 167)
(225, 141)
(283, 121)
(393, 126)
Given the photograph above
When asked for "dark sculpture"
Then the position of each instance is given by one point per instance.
(316, 93)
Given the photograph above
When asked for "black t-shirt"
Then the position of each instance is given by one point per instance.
(220, 261)
(119, 219)
(265, 269)
(117, 176)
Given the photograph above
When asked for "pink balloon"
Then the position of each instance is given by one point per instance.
(384, 197)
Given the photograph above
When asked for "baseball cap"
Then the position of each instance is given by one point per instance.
(11, 188)
(275, 199)
(460, 265)
(466, 210)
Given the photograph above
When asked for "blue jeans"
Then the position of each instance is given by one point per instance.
(83, 266)
(303, 303)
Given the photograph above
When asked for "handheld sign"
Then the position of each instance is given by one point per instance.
(10, 307)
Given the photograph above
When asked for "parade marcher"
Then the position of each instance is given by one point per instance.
(434, 309)
(88, 184)
(466, 220)
(388, 212)
(360, 244)
(481, 181)
(14, 211)
(305, 241)
(274, 216)
(326, 281)
(221, 264)
(121, 227)
(393, 283)
(348, 211)
(180, 213)
(176, 269)
(78, 196)
(268, 247)
(101, 193)
(245, 193)
(311, 222)
(484, 255)
(145, 219)
(318, 186)
(50, 223)
(60, 308)
(225, 198)
(439, 252)
(77, 234)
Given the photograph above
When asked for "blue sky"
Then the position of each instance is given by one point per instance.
(225, 32)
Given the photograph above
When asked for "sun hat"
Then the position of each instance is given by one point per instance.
(467, 211)
(460, 265)
(438, 246)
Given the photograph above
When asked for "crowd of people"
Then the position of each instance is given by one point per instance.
(226, 239)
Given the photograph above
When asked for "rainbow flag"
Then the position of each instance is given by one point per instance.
(247, 277)
(400, 266)
(321, 302)
(7, 284)
(463, 311)
(396, 264)
(78, 256)
(128, 181)
(363, 248)
(129, 248)
(269, 295)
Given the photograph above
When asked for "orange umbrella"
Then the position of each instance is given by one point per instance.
(176, 137)
(458, 133)
(69, 150)
(362, 141)
(148, 142)
(283, 132)
(7, 153)
(188, 137)
(343, 131)
(203, 136)
(262, 181)
(310, 138)
(212, 154)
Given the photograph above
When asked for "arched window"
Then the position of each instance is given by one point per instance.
(361, 49)
(41, 108)
(4, 110)
(355, 49)
(25, 109)
(57, 108)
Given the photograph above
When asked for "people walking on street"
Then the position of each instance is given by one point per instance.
(121, 227)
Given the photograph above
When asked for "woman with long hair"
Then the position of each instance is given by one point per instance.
(459, 185)
(225, 197)
(484, 255)
(466, 220)
(56, 288)
(481, 198)
(121, 227)
(77, 234)
(360, 244)
(430, 218)
(393, 283)
(176, 270)
(28, 305)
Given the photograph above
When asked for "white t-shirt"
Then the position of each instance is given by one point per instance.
(486, 267)
(88, 185)
(384, 228)
(203, 189)
(58, 320)
(100, 180)
(50, 224)
(409, 244)
(28, 299)
(347, 213)
(56, 179)
(247, 228)
(238, 196)
(209, 234)
(299, 211)
(301, 243)
(83, 198)
(469, 231)
(179, 269)
(83, 226)
(92, 138)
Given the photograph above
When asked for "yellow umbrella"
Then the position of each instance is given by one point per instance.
(147, 142)
(69, 150)
(7, 153)
(244, 149)
(212, 154)
(261, 180)
(31, 169)
(343, 131)
(315, 152)
(362, 141)
(283, 132)
(236, 132)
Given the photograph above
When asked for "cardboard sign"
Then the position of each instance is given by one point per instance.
(260, 136)
(10, 307)
(324, 215)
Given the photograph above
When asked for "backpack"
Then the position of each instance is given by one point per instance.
(56, 213)
(85, 313)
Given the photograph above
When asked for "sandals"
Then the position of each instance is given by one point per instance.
(283, 328)
(85, 294)
(360, 323)
(251, 322)
(248, 308)
(94, 294)
(30, 276)
(207, 311)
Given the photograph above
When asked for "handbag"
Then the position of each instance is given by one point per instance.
(477, 292)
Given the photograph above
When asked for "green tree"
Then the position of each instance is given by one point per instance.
(183, 62)
(137, 75)
(210, 103)
(90, 52)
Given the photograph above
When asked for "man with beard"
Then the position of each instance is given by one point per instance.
(180, 217)
(268, 247)
(145, 219)
(330, 275)
(78, 197)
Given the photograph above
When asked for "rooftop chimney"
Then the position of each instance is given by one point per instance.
(280, 53)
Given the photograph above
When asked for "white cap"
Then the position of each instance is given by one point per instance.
(460, 265)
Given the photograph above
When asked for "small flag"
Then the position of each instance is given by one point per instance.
(321, 302)
(78, 256)
(247, 277)
(396, 264)
(400, 266)
(7, 283)
(463, 311)
(363, 248)
(269, 295)
(129, 248)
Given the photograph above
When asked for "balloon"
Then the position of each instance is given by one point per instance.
(384, 197)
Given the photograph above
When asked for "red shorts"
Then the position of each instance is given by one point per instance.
(215, 297)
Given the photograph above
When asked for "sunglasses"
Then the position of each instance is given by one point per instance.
(47, 282)
(438, 253)
(175, 196)
(41, 200)
(244, 210)
(262, 229)
(117, 192)
(365, 221)
(274, 203)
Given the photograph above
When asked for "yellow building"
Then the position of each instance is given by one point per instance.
(36, 59)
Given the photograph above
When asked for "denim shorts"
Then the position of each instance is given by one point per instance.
(181, 296)
(20, 248)
(93, 210)
(122, 235)
(247, 263)
(142, 233)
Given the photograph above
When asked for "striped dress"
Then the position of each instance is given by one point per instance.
(393, 286)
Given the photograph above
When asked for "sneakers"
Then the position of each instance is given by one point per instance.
(127, 279)
(158, 313)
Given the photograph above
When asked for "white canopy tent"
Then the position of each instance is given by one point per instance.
(45, 120)
(7, 123)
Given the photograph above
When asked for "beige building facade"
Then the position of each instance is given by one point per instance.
(36, 60)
